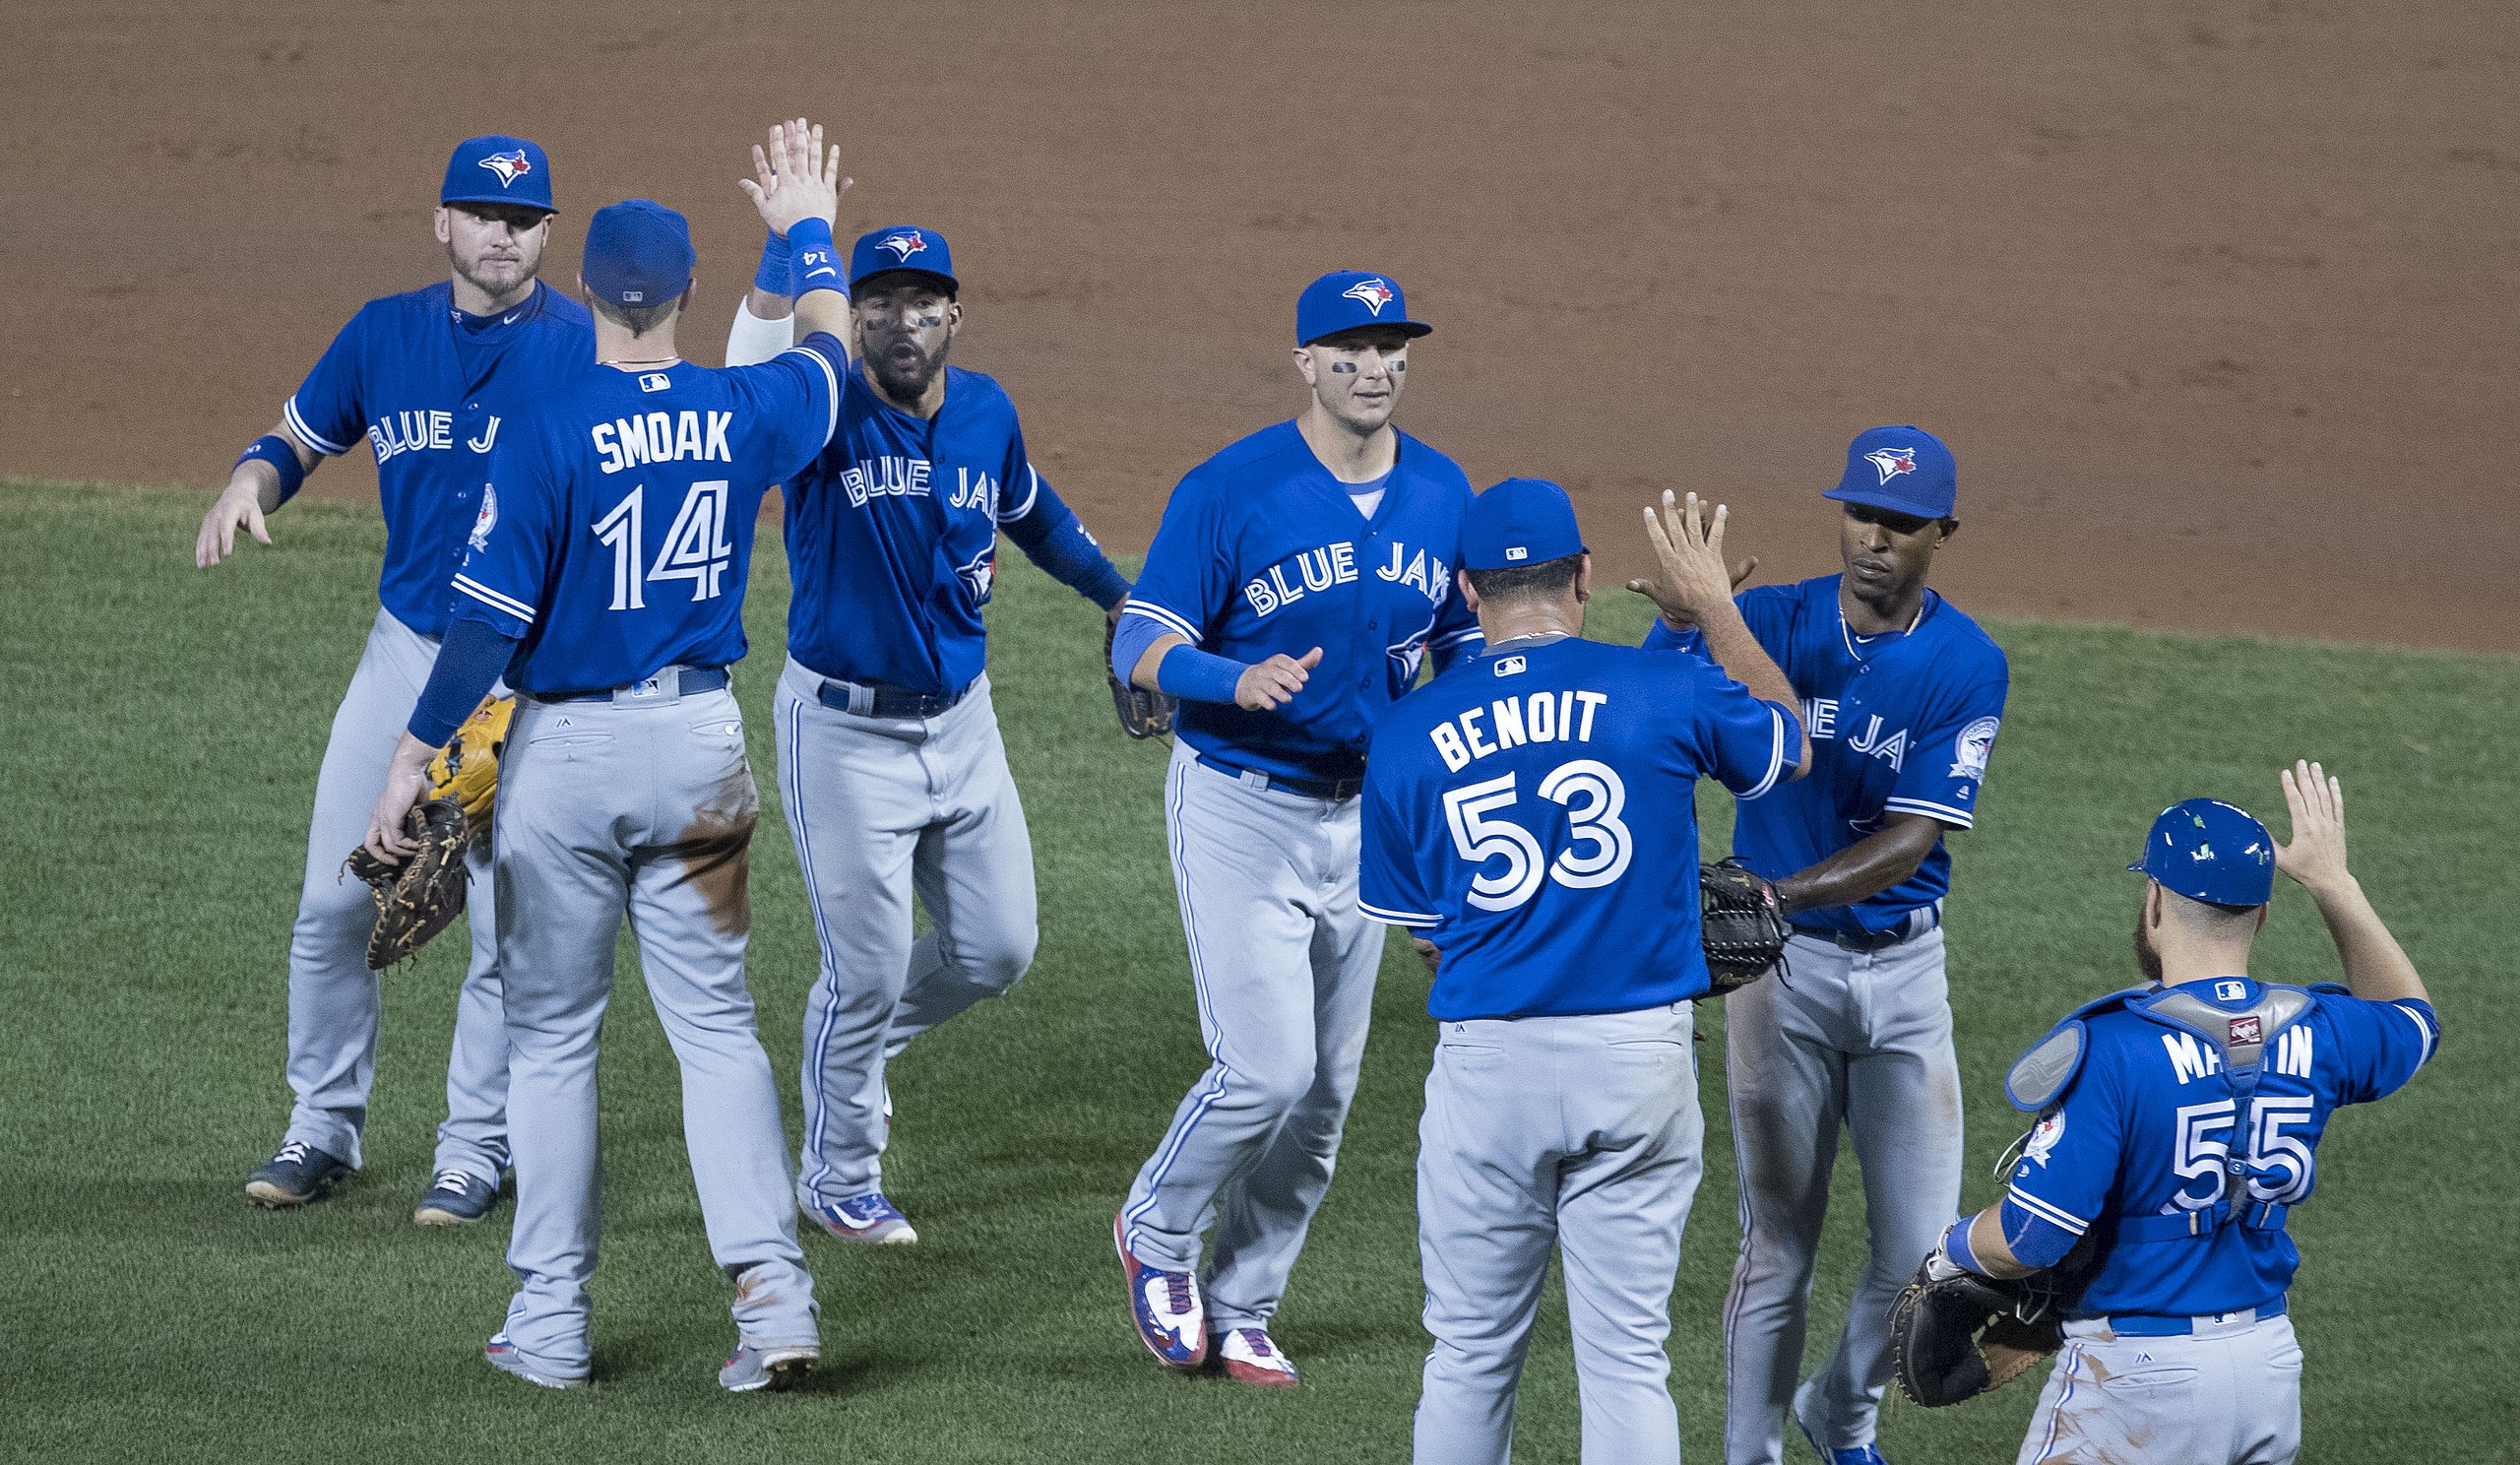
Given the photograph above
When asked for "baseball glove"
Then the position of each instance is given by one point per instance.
(466, 769)
(1740, 923)
(418, 897)
(1955, 1334)
(1143, 714)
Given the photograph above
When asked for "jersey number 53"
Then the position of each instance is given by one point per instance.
(1482, 832)
(696, 547)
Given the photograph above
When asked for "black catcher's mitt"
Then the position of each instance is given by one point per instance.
(1955, 1334)
(1741, 924)
(417, 898)
(1143, 714)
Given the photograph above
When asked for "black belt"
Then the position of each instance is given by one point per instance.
(1864, 943)
(693, 680)
(874, 699)
(1335, 789)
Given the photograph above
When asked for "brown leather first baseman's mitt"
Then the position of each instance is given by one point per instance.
(417, 898)
(1741, 923)
(1143, 714)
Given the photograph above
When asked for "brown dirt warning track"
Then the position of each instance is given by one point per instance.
(2216, 301)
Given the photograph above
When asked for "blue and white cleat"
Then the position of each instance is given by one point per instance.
(1856, 1454)
(1170, 1319)
(456, 1198)
(869, 1219)
(297, 1174)
(773, 1368)
(503, 1355)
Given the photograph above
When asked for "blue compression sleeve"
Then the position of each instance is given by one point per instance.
(1132, 641)
(817, 258)
(1955, 1245)
(1194, 675)
(771, 274)
(469, 665)
(275, 450)
(1051, 535)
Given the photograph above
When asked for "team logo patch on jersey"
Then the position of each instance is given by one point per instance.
(1373, 294)
(2248, 1029)
(904, 244)
(1509, 667)
(2044, 1137)
(1892, 462)
(1970, 752)
(482, 521)
(979, 577)
(510, 166)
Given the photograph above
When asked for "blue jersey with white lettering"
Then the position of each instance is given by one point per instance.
(892, 535)
(617, 533)
(427, 386)
(2143, 1135)
(1535, 808)
(1261, 552)
(1901, 723)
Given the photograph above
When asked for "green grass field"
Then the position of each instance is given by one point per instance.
(161, 736)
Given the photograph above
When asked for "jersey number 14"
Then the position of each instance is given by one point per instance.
(1593, 795)
(696, 547)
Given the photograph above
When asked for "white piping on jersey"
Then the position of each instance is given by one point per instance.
(1162, 617)
(308, 435)
(505, 605)
(1776, 755)
(1030, 492)
(2423, 1028)
(2047, 1211)
(829, 375)
(1942, 812)
(1395, 917)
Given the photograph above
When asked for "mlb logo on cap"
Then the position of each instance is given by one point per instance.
(499, 170)
(1900, 470)
(638, 253)
(1519, 521)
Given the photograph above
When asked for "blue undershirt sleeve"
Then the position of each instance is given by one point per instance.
(1130, 642)
(1051, 535)
(469, 665)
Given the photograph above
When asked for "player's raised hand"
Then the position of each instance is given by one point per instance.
(1689, 577)
(239, 507)
(2316, 855)
(794, 178)
(1274, 683)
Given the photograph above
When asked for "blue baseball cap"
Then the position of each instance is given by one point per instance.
(499, 170)
(1904, 470)
(1520, 522)
(902, 247)
(2209, 851)
(1343, 300)
(638, 253)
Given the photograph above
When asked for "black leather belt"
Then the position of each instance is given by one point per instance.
(1916, 923)
(874, 699)
(693, 680)
(1334, 790)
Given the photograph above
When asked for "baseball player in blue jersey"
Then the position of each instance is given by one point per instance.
(426, 379)
(606, 578)
(2178, 1126)
(889, 763)
(1532, 813)
(1903, 695)
(1295, 584)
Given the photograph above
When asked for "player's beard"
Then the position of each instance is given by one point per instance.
(2148, 953)
(903, 381)
(497, 278)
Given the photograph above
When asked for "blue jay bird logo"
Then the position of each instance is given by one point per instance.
(904, 244)
(510, 166)
(1892, 462)
(980, 576)
(1373, 294)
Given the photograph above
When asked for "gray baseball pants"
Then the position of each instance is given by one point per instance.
(643, 806)
(2228, 1394)
(1839, 1038)
(334, 999)
(1581, 1133)
(1283, 966)
(882, 809)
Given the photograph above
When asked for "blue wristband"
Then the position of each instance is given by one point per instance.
(1193, 675)
(1955, 1245)
(817, 258)
(275, 450)
(770, 276)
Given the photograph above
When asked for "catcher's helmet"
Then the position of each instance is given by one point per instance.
(2209, 851)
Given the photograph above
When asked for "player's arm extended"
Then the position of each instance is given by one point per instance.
(1171, 665)
(265, 477)
(467, 666)
(2376, 966)
(1689, 553)
(1866, 868)
(795, 183)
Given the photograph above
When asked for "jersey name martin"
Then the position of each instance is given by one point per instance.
(1559, 717)
(420, 430)
(2190, 1059)
(1332, 565)
(663, 437)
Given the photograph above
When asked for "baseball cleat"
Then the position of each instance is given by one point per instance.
(1165, 1308)
(456, 1198)
(1251, 1357)
(867, 1218)
(1856, 1454)
(502, 1354)
(297, 1174)
(772, 1369)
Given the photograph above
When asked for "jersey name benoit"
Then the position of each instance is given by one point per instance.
(1551, 717)
(1329, 566)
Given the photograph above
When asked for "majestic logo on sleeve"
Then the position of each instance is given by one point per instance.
(488, 516)
(1373, 294)
(1976, 744)
(1892, 462)
(510, 166)
(902, 244)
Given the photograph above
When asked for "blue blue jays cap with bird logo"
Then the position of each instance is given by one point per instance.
(2209, 851)
(1904, 470)
(1519, 522)
(499, 170)
(902, 247)
(638, 253)
(1344, 299)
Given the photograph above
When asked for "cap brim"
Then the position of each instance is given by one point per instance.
(949, 280)
(511, 199)
(1896, 505)
(1412, 329)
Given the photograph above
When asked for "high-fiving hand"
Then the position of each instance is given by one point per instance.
(1689, 553)
(2316, 855)
(794, 178)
